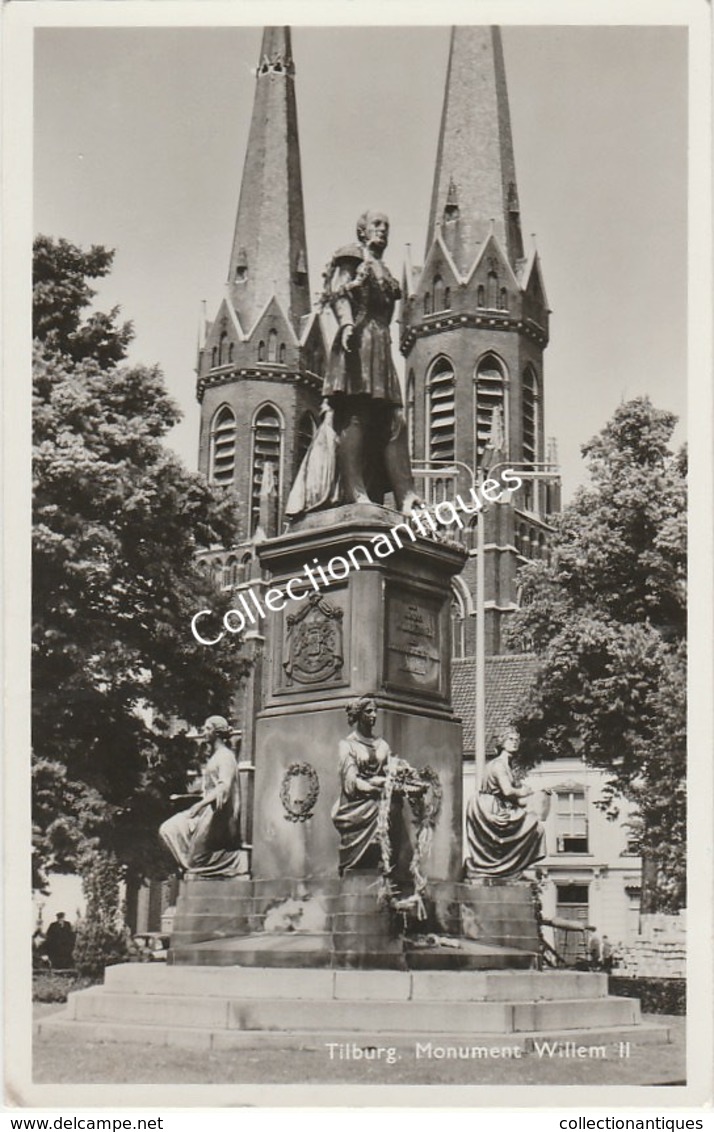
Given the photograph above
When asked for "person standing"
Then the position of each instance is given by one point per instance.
(594, 949)
(59, 944)
(607, 955)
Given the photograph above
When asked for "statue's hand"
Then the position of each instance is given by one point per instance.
(346, 339)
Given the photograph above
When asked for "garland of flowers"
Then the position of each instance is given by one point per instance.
(416, 786)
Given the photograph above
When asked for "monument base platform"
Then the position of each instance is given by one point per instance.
(240, 1008)
(343, 923)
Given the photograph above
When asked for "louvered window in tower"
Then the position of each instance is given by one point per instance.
(223, 447)
(488, 397)
(265, 472)
(411, 420)
(442, 417)
(530, 428)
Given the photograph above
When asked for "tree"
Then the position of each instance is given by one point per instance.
(607, 619)
(117, 674)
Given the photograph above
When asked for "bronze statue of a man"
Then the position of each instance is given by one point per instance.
(361, 384)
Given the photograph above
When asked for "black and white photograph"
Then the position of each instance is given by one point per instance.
(358, 464)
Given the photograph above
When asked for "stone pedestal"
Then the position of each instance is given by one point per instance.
(382, 629)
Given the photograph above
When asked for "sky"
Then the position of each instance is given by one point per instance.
(140, 136)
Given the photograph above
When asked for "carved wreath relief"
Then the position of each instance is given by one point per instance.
(299, 791)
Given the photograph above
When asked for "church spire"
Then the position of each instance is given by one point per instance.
(269, 252)
(475, 179)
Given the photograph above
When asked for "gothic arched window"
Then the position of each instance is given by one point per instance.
(223, 349)
(530, 427)
(458, 626)
(411, 415)
(492, 289)
(447, 298)
(273, 346)
(281, 354)
(214, 356)
(245, 567)
(480, 296)
(427, 303)
(267, 450)
(503, 304)
(222, 450)
(489, 394)
(261, 351)
(441, 415)
(438, 293)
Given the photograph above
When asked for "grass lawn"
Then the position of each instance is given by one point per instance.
(76, 1061)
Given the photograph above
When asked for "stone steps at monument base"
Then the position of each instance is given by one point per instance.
(322, 949)
(57, 1026)
(403, 986)
(227, 1013)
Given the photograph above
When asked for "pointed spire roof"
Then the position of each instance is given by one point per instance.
(475, 179)
(269, 252)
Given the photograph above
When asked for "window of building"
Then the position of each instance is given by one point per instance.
(273, 346)
(261, 351)
(480, 296)
(458, 627)
(411, 412)
(266, 450)
(447, 298)
(281, 354)
(441, 412)
(223, 349)
(246, 567)
(572, 903)
(214, 356)
(503, 302)
(571, 820)
(489, 394)
(492, 290)
(222, 458)
(427, 303)
(438, 293)
(634, 900)
(531, 411)
(230, 572)
(230, 351)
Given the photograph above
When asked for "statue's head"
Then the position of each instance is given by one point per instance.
(216, 727)
(373, 229)
(363, 708)
(508, 740)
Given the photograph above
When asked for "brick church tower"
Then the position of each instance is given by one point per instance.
(474, 326)
(261, 359)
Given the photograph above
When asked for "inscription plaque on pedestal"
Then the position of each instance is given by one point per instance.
(413, 642)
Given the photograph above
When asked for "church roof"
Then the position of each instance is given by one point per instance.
(475, 177)
(509, 679)
(269, 250)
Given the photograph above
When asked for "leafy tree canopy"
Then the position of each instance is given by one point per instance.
(117, 523)
(607, 618)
